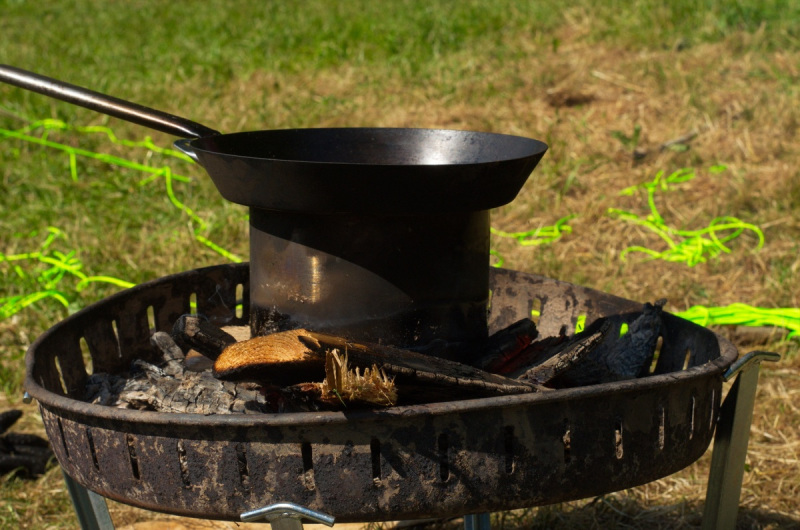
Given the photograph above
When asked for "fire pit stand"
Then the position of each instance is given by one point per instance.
(722, 496)
(407, 462)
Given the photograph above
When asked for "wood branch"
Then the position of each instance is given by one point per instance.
(421, 378)
(195, 332)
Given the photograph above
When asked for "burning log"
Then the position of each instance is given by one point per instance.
(506, 345)
(626, 354)
(567, 354)
(603, 352)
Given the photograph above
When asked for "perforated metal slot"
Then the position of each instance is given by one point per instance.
(566, 440)
(193, 303)
(133, 458)
(375, 454)
(652, 369)
(151, 318)
(687, 360)
(92, 449)
(61, 379)
(63, 439)
(508, 448)
(444, 463)
(183, 463)
(307, 455)
(115, 330)
(86, 355)
(239, 308)
(241, 464)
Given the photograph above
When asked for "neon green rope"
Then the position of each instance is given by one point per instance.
(739, 314)
(683, 246)
(154, 172)
(58, 266)
(544, 235)
(539, 236)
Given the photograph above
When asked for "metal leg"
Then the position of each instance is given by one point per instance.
(91, 508)
(730, 443)
(480, 521)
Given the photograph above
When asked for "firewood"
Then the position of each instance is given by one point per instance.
(421, 378)
(567, 354)
(195, 332)
(619, 356)
(297, 356)
(506, 344)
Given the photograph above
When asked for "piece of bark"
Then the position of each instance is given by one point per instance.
(281, 359)
(195, 332)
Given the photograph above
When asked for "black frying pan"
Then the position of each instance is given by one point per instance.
(382, 170)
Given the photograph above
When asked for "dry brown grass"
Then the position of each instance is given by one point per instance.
(744, 115)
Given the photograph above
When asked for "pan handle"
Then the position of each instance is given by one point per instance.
(118, 108)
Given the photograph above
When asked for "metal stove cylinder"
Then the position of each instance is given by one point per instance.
(397, 279)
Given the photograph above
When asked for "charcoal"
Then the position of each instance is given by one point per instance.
(620, 356)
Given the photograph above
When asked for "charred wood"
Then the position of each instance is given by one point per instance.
(195, 332)
(421, 378)
(295, 356)
(567, 354)
(26, 454)
(621, 355)
(506, 344)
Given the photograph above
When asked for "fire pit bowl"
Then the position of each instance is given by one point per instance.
(438, 459)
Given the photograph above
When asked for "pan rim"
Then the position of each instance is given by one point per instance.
(528, 147)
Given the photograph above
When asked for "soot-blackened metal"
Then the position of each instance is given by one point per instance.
(429, 460)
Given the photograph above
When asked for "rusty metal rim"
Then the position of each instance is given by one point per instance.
(714, 369)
